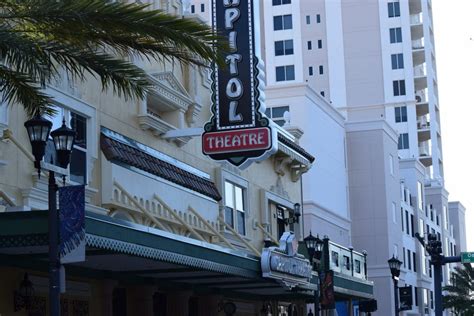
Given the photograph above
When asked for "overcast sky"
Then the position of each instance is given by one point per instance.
(454, 44)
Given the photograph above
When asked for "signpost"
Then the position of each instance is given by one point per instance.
(467, 257)
(238, 131)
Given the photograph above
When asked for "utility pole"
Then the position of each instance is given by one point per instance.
(434, 247)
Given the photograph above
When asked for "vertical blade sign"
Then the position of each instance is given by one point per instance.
(237, 131)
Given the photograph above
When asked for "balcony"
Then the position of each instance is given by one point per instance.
(346, 261)
(418, 44)
(416, 26)
(419, 73)
(415, 6)
(423, 126)
(424, 152)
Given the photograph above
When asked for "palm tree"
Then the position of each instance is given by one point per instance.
(460, 295)
(40, 38)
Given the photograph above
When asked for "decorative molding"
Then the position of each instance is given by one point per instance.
(153, 122)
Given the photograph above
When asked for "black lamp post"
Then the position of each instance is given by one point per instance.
(394, 265)
(314, 246)
(38, 130)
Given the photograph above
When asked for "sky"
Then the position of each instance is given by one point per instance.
(454, 45)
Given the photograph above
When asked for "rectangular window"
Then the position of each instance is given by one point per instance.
(403, 141)
(310, 70)
(193, 9)
(310, 45)
(234, 207)
(285, 73)
(277, 114)
(318, 18)
(396, 35)
(390, 162)
(416, 296)
(414, 261)
(282, 22)
(393, 9)
(347, 263)
(202, 7)
(357, 266)
(284, 48)
(397, 61)
(412, 220)
(399, 87)
(407, 221)
(321, 69)
(401, 114)
(308, 19)
(401, 213)
(320, 44)
(78, 163)
(280, 2)
(404, 258)
(335, 258)
(409, 259)
(431, 300)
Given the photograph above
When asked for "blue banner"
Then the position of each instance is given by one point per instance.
(72, 229)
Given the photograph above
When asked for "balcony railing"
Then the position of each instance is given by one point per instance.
(347, 261)
(420, 71)
(423, 122)
(416, 19)
(421, 96)
(424, 150)
(418, 44)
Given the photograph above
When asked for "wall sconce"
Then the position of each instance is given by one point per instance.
(23, 296)
(295, 218)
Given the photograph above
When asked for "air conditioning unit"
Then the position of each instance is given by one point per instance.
(418, 98)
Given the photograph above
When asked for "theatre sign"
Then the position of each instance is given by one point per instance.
(238, 131)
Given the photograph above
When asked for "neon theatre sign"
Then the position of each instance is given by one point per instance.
(238, 131)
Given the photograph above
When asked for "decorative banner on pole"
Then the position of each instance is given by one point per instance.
(406, 299)
(72, 229)
(238, 130)
(328, 299)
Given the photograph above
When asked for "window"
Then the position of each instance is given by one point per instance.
(280, 2)
(401, 114)
(321, 69)
(407, 221)
(409, 259)
(202, 7)
(285, 73)
(431, 300)
(419, 187)
(416, 296)
(318, 18)
(335, 258)
(320, 44)
(321, 93)
(308, 19)
(234, 207)
(401, 217)
(310, 45)
(347, 263)
(282, 22)
(414, 261)
(193, 9)
(396, 35)
(397, 61)
(277, 114)
(357, 266)
(399, 87)
(403, 141)
(393, 9)
(78, 163)
(310, 70)
(404, 258)
(412, 220)
(284, 48)
(445, 219)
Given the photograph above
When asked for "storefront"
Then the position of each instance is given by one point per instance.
(137, 270)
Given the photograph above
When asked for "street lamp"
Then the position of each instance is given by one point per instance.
(394, 265)
(38, 130)
(314, 246)
(295, 217)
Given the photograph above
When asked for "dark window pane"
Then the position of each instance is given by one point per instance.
(392, 35)
(278, 23)
(202, 7)
(390, 10)
(399, 34)
(397, 115)
(400, 147)
(310, 70)
(290, 72)
(320, 44)
(79, 124)
(287, 22)
(405, 141)
(318, 18)
(321, 70)
(193, 10)
(396, 90)
(400, 61)
(310, 45)
(280, 111)
(289, 47)
(276, 2)
(394, 61)
(285, 1)
(77, 167)
(308, 19)
(279, 48)
(402, 87)
(229, 216)
(267, 112)
(396, 6)
(404, 114)
(241, 223)
(280, 73)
